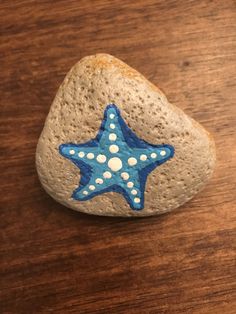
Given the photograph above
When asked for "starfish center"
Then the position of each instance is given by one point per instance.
(115, 164)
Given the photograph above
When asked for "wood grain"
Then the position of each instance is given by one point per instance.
(59, 261)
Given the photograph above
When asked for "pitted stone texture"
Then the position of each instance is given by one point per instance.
(76, 114)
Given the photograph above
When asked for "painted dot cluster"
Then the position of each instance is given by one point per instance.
(114, 164)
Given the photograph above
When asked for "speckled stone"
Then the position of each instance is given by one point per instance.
(76, 115)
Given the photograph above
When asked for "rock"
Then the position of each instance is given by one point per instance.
(148, 157)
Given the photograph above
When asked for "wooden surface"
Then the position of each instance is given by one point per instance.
(59, 261)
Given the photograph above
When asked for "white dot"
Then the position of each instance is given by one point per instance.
(134, 192)
(137, 200)
(143, 157)
(125, 175)
(163, 153)
(112, 137)
(132, 161)
(101, 158)
(81, 154)
(130, 184)
(99, 181)
(107, 175)
(153, 155)
(72, 152)
(85, 192)
(113, 149)
(112, 116)
(115, 164)
(92, 187)
(90, 155)
(112, 126)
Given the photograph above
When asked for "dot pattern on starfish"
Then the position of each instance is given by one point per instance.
(115, 161)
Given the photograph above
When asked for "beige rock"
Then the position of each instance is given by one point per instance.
(76, 114)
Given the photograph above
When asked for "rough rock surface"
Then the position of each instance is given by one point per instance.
(76, 114)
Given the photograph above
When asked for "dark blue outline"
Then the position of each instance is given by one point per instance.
(134, 142)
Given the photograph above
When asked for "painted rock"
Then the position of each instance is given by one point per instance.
(113, 145)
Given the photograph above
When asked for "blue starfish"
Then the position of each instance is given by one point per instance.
(116, 160)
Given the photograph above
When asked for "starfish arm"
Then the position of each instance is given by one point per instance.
(97, 183)
(84, 153)
(134, 191)
(110, 130)
(152, 155)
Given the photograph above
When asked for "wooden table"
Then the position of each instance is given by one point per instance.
(54, 260)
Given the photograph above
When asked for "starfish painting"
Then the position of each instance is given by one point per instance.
(115, 161)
